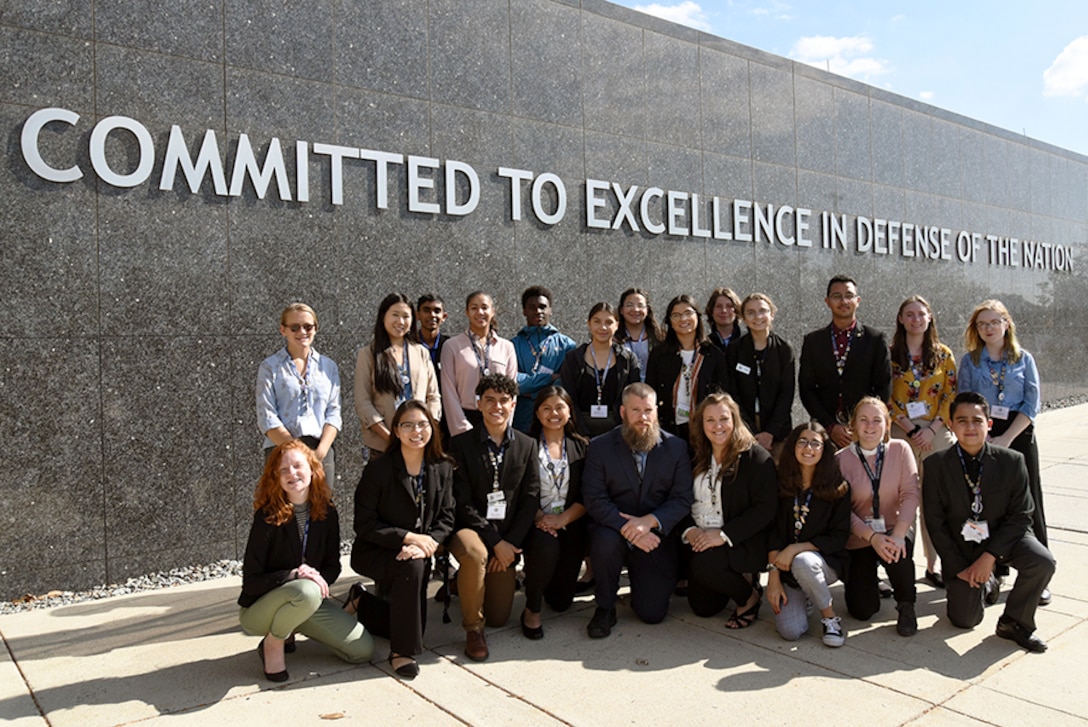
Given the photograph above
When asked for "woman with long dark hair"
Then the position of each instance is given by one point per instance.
(685, 368)
(595, 373)
(736, 496)
(923, 387)
(556, 545)
(391, 369)
(808, 548)
(292, 557)
(403, 512)
(639, 331)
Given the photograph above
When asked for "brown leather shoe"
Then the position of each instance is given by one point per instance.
(476, 645)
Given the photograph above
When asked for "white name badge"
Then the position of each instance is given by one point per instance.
(976, 531)
(917, 409)
(744, 369)
(999, 412)
(496, 505)
(598, 411)
(712, 521)
(546, 370)
(877, 524)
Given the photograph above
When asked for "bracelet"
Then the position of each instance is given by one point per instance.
(875, 533)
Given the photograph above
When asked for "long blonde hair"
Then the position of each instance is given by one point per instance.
(975, 345)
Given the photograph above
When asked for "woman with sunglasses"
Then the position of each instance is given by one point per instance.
(298, 391)
(390, 370)
(996, 367)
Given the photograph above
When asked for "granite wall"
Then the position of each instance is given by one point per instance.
(138, 315)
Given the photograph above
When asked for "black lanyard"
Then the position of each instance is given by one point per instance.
(418, 481)
(874, 478)
(800, 513)
(598, 378)
(496, 462)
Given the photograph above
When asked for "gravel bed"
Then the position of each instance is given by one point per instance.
(225, 568)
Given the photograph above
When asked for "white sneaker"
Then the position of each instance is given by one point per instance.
(834, 633)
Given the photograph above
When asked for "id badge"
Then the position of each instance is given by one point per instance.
(682, 413)
(496, 505)
(713, 521)
(598, 411)
(744, 369)
(877, 524)
(556, 508)
(917, 409)
(976, 531)
(999, 412)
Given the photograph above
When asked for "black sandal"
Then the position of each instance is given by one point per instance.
(744, 619)
(354, 594)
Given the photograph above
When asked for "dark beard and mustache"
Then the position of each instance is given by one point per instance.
(639, 442)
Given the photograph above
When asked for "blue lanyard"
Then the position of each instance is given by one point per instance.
(405, 371)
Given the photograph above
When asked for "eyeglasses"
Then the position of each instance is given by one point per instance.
(409, 427)
(814, 444)
(987, 325)
(308, 327)
(689, 313)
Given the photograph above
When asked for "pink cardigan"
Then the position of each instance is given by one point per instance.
(898, 491)
(461, 373)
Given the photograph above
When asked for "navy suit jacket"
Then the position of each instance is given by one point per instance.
(611, 485)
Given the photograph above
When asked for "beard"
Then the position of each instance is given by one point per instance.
(639, 441)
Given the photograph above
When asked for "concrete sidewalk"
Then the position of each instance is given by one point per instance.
(178, 656)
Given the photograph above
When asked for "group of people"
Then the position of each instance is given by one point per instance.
(666, 449)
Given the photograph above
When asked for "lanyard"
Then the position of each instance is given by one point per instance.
(484, 364)
(974, 485)
(418, 480)
(433, 350)
(405, 370)
(874, 478)
(598, 379)
(998, 378)
(541, 341)
(496, 462)
(557, 474)
(800, 512)
(712, 475)
(641, 335)
(305, 536)
(303, 381)
(841, 354)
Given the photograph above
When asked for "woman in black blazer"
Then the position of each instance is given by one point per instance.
(736, 497)
(595, 374)
(685, 368)
(761, 375)
(555, 547)
(403, 512)
(292, 557)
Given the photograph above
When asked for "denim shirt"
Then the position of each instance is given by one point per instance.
(283, 400)
(1021, 382)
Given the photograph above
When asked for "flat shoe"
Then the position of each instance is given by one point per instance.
(742, 620)
(934, 579)
(408, 670)
(533, 633)
(277, 676)
(352, 601)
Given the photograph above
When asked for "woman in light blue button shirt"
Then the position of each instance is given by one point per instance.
(996, 367)
(298, 391)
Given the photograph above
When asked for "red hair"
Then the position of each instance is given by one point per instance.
(272, 500)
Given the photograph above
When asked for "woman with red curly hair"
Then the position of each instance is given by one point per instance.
(292, 557)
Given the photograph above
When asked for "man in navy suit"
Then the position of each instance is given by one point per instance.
(842, 363)
(637, 486)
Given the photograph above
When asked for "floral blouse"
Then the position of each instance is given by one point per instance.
(936, 388)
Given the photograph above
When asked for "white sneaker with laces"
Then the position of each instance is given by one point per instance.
(834, 633)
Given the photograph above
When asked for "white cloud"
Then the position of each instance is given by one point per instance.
(925, 95)
(685, 13)
(1068, 74)
(848, 56)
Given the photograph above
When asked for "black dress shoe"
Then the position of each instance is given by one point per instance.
(602, 622)
(907, 623)
(277, 676)
(993, 590)
(1009, 629)
(533, 633)
(1044, 597)
(409, 670)
(934, 579)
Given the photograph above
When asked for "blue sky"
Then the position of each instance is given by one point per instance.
(1020, 66)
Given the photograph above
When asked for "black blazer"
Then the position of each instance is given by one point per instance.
(1006, 505)
(519, 479)
(385, 507)
(776, 383)
(749, 503)
(827, 527)
(662, 369)
(868, 372)
(712, 334)
(611, 485)
(273, 551)
(574, 368)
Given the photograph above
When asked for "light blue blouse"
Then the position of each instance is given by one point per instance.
(1019, 383)
(284, 399)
